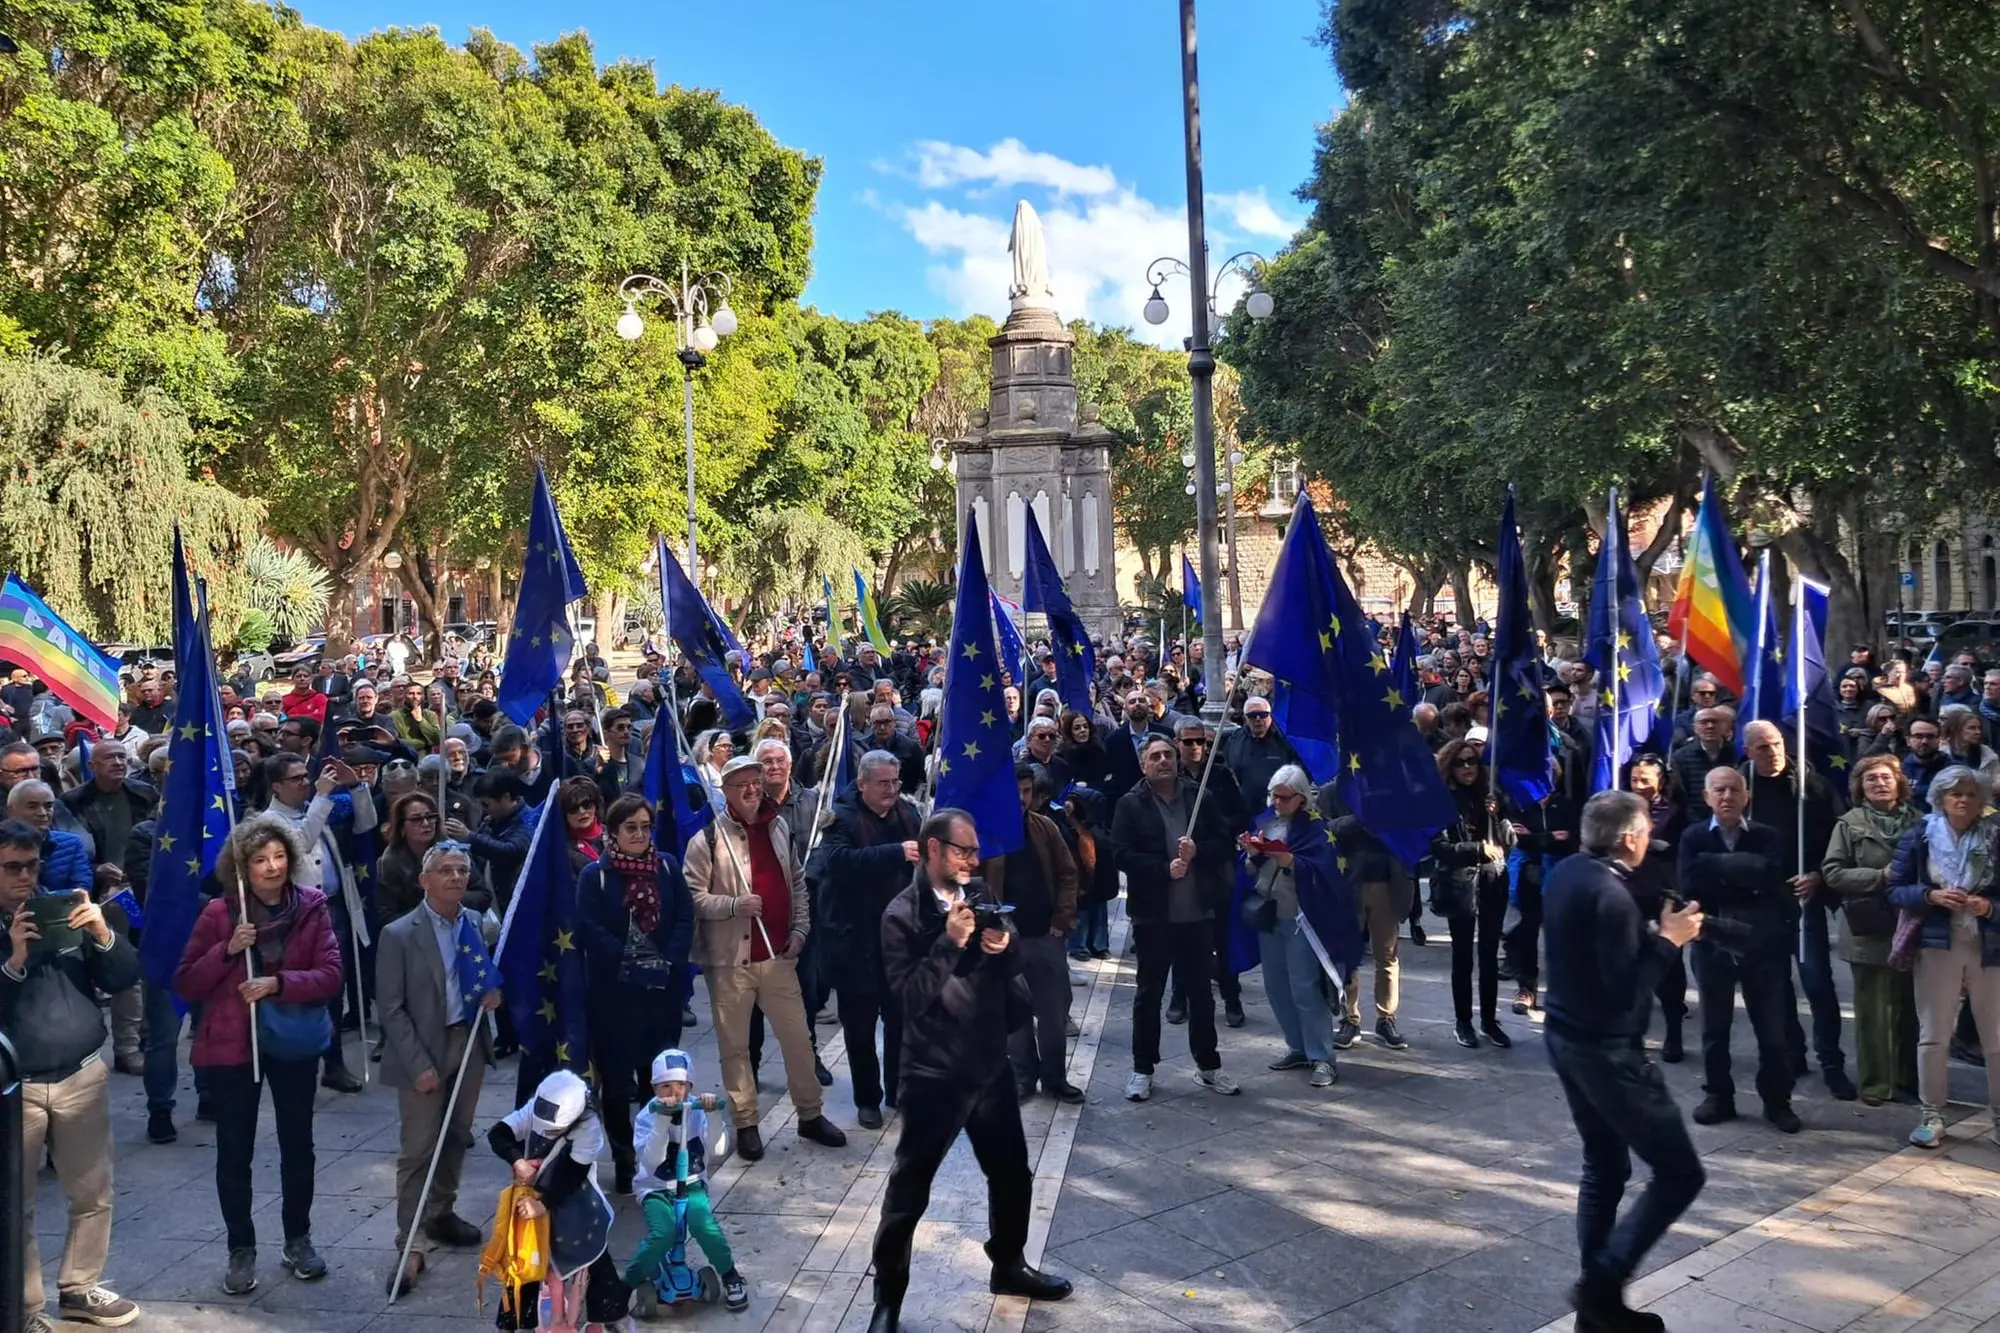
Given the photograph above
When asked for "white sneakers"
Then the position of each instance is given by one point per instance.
(1139, 1088)
(1216, 1081)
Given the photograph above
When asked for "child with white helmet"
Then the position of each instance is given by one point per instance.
(554, 1143)
(674, 1117)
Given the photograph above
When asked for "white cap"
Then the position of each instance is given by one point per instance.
(673, 1066)
(1476, 734)
(560, 1101)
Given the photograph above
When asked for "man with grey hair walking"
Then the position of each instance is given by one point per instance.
(1604, 963)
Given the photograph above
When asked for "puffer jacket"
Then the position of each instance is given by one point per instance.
(65, 864)
(1910, 879)
(209, 975)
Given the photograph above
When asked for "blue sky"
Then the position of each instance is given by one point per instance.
(932, 121)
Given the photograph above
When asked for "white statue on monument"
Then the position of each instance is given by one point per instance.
(1031, 290)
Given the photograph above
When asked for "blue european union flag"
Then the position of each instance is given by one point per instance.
(1013, 647)
(197, 793)
(1517, 743)
(975, 754)
(1764, 678)
(676, 817)
(1403, 670)
(540, 965)
(694, 626)
(1806, 678)
(832, 625)
(1620, 645)
(474, 971)
(1042, 590)
(1190, 587)
(538, 649)
(1293, 641)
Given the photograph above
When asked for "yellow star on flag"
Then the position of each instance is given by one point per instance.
(166, 842)
(548, 972)
(190, 731)
(1624, 672)
(971, 650)
(1394, 698)
(986, 718)
(194, 865)
(1380, 663)
(971, 750)
(1624, 640)
(986, 682)
(547, 1012)
(1354, 763)
(562, 1052)
(565, 941)
(1609, 699)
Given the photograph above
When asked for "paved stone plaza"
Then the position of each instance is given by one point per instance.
(1430, 1190)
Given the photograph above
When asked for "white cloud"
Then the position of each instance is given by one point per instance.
(1252, 213)
(1009, 162)
(1101, 235)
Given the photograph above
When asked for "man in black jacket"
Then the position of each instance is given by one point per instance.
(957, 1003)
(48, 1010)
(1234, 807)
(1735, 870)
(862, 863)
(1604, 963)
(1176, 876)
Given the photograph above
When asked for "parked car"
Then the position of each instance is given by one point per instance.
(258, 667)
(1981, 638)
(306, 653)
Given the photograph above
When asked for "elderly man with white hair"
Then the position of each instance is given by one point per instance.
(65, 860)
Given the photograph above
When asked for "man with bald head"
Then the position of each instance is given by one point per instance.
(1734, 868)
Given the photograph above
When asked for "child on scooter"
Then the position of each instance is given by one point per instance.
(656, 1138)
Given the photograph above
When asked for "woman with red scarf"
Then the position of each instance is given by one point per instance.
(635, 922)
(579, 798)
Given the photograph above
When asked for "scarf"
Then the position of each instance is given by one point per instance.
(589, 841)
(642, 886)
(274, 924)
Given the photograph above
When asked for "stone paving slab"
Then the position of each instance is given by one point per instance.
(1432, 1189)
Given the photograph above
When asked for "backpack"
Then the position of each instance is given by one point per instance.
(518, 1253)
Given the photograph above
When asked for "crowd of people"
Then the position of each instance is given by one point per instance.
(385, 822)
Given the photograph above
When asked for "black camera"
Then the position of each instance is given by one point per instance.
(989, 915)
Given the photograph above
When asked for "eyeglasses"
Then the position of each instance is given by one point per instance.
(422, 818)
(1466, 762)
(636, 826)
(960, 848)
(1194, 740)
(18, 772)
(21, 867)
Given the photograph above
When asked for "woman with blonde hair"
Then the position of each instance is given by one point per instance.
(1857, 868)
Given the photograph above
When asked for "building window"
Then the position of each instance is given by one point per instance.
(1284, 489)
(1940, 577)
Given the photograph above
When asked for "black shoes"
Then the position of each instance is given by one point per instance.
(621, 1182)
(1462, 1033)
(1840, 1085)
(1017, 1279)
(821, 1072)
(1232, 1013)
(750, 1144)
(888, 1319)
(1067, 1093)
(1496, 1034)
(451, 1229)
(340, 1080)
(1714, 1110)
(1601, 1308)
(1417, 936)
(1783, 1117)
(822, 1131)
(1388, 1034)
(1177, 1012)
(1670, 1049)
(868, 1117)
(160, 1127)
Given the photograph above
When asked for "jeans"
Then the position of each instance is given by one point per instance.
(1621, 1106)
(162, 1049)
(1092, 929)
(1187, 947)
(933, 1112)
(1523, 942)
(1765, 981)
(237, 1096)
(1492, 913)
(1815, 959)
(1292, 974)
(859, 1013)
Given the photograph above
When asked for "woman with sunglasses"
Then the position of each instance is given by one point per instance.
(579, 800)
(413, 829)
(635, 924)
(1469, 888)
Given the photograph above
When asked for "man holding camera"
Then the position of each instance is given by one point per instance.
(1604, 962)
(960, 998)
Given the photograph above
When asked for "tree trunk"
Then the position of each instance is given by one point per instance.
(503, 610)
(1461, 594)
(1543, 559)
(341, 609)
(1815, 548)
(604, 609)
(424, 581)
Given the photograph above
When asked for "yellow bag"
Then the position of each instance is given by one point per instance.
(518, 1253)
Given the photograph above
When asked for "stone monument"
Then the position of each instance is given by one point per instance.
(1034, 445)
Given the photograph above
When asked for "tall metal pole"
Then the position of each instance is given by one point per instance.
(690, 358)
(14, 1185)
(1201, 372)
(1229, 537)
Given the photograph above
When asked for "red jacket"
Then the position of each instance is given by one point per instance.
(208, 975)
(311, 704)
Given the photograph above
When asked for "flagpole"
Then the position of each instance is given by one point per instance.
(826, 781)
(1609, 551)
(203, 643)
(1799, 686)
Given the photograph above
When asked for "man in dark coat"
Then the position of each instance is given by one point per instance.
(864, 860)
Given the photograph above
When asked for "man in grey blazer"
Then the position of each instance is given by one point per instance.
(426, 1023)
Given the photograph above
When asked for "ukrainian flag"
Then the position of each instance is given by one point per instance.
(871, 619)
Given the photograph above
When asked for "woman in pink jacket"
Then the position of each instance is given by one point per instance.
(289, 934)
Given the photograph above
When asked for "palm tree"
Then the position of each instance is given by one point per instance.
(919, 607)
(287, 586)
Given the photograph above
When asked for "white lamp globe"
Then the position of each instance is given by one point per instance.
(1258, 306)
(630, 327)
(725, 321)
(1156, 308)
(704, 337)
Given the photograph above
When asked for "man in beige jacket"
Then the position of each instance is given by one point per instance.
(752, 916)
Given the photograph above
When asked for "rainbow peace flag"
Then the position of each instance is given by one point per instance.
(39, 640)
(871, 620)
(1712, 609)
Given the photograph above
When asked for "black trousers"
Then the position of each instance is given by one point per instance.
(1186, 948)
(1621, 1107)
(1766, 983)
(1485, 923)
(1673, 992)
(1524, 954)
(629, 1025)
(859, 1014)
(1225, 980)
(235, 1096)
(934, 1111)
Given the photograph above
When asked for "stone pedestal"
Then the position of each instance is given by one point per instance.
(1035, 445)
